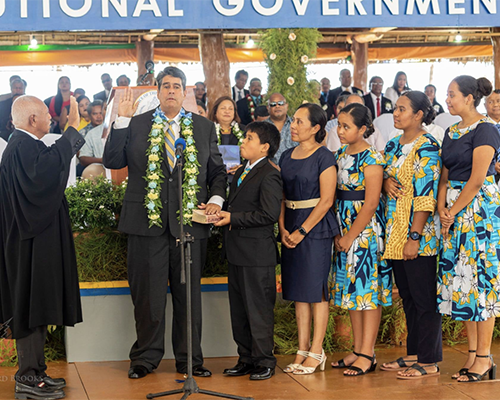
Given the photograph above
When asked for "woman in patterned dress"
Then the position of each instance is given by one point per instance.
(469, 208)
(362, 278)
(412, 232)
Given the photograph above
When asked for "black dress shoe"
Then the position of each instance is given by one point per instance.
(261, 373)
(54, 383)
(38, 392)
(137, 372)
(239, 369)
(201, 372)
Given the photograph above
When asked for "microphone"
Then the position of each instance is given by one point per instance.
(150, 67)
(180, 145)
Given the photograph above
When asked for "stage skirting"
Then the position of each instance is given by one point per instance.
(108, 329)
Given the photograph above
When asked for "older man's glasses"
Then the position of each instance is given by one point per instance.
(277, 103)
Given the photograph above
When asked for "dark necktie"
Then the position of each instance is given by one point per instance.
(378, 107)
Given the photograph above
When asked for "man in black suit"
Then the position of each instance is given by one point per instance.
(246, 106)
(374, 100)
(254, 207)
(345, 86)
(107, 82)
(153, 257)
(238, 90)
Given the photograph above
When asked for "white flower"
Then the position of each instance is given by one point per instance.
(463, 278)
(436, 107)
(290, 81)
(292, 36)
(304, 59)
(388, 106)
(272, 56)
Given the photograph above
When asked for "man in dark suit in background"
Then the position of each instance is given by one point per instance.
(374, 100)
(107, 82)
(345, 86)
(251, 101)
(238, 90)
(254, 207)
(153, 257)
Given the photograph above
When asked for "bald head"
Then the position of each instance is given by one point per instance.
(32, 115)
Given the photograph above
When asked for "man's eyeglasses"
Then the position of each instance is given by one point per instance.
(277, 103)
(377, 84)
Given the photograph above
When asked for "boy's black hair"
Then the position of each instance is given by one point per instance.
(261, 111)
(267, 133)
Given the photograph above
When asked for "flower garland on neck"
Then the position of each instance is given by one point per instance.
(235, 130)
(251, 106)
(154, 173)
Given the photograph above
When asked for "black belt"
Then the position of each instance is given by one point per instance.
(350, 194)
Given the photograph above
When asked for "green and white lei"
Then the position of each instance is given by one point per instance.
(235, 130)
(154, 174)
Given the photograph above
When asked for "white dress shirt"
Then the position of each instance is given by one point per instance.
(29, 134)
(3, 145)
(250, 166)
(238, 93)
(123, 122)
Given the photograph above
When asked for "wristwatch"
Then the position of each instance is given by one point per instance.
(302, 231)
(415, 236)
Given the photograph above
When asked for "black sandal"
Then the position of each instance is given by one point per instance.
(402, 365)
(358, 370)
(463, 371)
(342, 364)
(474, 377)
(423, 372)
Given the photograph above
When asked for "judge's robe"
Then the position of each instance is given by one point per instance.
(38, 272)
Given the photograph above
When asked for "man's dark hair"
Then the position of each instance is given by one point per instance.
(172, 71)
(255, 80)
(95, 103)
(342, 98)
(375, 77)
(201, 104)
(267, 133)
(261, 111)
(240, 72)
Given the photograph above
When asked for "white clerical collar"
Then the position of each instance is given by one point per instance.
(27, 133)
(250, 166)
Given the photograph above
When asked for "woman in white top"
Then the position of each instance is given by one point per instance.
(399, 86)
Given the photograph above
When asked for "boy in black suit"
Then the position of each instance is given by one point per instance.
(254, 207)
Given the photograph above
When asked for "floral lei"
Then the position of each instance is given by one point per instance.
(154, 174)
(251, 106)
(235, 130)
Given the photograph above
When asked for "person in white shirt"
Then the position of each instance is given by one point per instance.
(398, 87)
(374, 100)
(376, 139)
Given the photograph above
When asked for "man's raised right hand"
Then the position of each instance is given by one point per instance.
(126, 107)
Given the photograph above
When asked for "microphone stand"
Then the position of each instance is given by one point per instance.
(190, 386)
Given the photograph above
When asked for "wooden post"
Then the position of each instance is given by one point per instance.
(359, 54)
(495, 41)
(145, 52)
(215, 66)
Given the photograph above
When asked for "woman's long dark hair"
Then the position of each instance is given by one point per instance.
(59, 99)
(395, 84)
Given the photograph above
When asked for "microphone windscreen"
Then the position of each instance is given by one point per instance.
(180, 142)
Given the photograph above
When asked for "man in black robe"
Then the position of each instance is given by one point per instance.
(38, 273)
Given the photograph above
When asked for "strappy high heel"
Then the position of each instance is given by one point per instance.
(292, 367)
(309, 370)
(358, 370)
(462, 371)
(491, 372)
(342, 364)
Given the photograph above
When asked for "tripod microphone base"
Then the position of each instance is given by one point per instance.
(191, 387)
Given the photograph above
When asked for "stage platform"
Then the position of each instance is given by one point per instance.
(109, 381)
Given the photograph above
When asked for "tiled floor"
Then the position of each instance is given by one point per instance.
(108, 381)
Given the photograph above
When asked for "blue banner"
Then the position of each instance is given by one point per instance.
(62, 15)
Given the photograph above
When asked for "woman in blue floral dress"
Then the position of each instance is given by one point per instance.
(469, 208)
(362, 278)
(412, 233)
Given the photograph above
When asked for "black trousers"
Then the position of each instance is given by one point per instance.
(417, 284)
(152, 262)
(30, 356)
(252, 294)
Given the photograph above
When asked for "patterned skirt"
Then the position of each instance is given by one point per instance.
(363, 280)
(468, 276)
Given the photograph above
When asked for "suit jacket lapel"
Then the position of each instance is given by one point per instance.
(249, 176)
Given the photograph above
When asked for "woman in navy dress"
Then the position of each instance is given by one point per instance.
(469, 208)
(307, 226)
